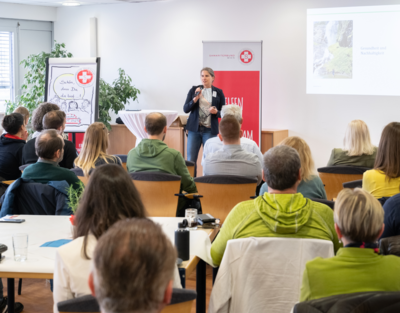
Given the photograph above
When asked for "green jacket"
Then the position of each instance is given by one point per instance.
(351, 270)
(340, 157)
(276, 215)
(154, 155)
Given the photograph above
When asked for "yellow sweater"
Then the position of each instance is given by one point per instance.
(377, 184)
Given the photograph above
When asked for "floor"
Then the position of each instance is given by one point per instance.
(37, 297)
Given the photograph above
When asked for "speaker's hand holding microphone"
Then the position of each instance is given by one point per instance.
(197, 94)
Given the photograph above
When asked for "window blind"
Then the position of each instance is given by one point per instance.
(6, 66)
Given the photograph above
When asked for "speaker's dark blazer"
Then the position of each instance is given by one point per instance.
(193, 109)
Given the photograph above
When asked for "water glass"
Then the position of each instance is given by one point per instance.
(191, 216)
(20, 245)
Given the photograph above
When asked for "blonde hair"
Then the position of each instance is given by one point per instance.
(358, 215)
(357, 140)
(307, 162)
(95, 145)
(23, 111)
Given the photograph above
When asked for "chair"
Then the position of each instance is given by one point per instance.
(264, 274)
(333, 177)
(157, 191)
(365, 302)
(181, 302)
(23, 167)
(330, 204)
(390, 245)
(83, 179)
(353, 184)
(191, 167)
(222, 192)
(123, 158)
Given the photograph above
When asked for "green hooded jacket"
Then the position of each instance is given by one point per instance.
(276, 215)
(154, 155)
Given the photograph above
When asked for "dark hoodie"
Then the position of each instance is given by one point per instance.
(10, 157)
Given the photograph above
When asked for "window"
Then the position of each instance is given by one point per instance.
(6, 68)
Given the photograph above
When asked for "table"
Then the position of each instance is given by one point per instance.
(44, 228)
(134, 120)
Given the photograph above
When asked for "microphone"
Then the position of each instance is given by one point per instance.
(197, 93)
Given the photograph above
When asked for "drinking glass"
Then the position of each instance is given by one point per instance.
(20, 245)
(191, 216)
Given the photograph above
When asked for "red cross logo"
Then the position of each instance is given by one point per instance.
(85, 77)
(246, 56)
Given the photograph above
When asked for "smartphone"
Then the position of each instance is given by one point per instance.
(12, 220)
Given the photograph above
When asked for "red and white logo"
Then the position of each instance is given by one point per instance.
(246, 56)
(84, 77)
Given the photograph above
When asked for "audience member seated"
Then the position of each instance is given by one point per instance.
(311, 185)
(280, 212)
(55, 119)
(24, 112)
(94, 149)
(153, 154)
(136, 274)
(214, 144)
(232, 159)
(110, 196)
(38, 114)
(358, 149)
(384, 179)
(357, 267)
(11, 146)
(49, 146)
(392, 217)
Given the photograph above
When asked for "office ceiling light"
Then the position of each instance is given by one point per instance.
(71, 3)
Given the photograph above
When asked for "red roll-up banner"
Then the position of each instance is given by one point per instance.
(237, 67)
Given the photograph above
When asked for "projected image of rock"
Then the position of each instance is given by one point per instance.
(333, 49)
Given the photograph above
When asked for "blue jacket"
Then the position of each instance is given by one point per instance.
(193, 109)
(392, 216)
(36, 198)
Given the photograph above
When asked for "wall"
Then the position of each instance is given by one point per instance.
(159, 44)
(28, 12)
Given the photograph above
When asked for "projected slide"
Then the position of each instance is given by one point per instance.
(354, 50)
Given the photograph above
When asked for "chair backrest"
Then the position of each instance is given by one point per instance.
(23, 167)
(353, 184)
(78, 171)
(222, 192)
(390, 245)
(365, 302)
(83, 179)
(333, 177)
(157, 191)
(191, 167)
(181, 302)
(264, 273)
(330, 204)
(124, 158)
(39, 199)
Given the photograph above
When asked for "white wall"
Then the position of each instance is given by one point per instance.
(28, 12)
(159, 44)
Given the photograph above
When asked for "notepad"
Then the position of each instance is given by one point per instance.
(56, 243)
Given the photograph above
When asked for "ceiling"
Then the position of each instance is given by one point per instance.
(58, 3)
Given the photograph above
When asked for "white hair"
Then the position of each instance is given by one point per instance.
(234, 110)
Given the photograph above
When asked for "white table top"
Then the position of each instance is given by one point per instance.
(134, 120)
(45, 228)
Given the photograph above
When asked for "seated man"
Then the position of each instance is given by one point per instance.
(49, 146)
(232, 159)
(214, 144)
(153, 154)
(280, 212)
(135, 275)
(55, 119)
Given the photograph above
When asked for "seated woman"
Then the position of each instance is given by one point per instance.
(11, 145)
(311, 185)
(358, 149)
(94, 149)
(109, 196)
(384, 179)
(357, 267)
